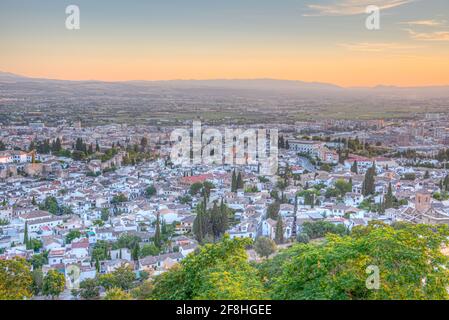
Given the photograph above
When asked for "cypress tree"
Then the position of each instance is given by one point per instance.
(224, 221)
(279, 236)
(215, 218)
(26, 241)
(234, 182)
(389, 198)
(368, 186)
(157, 234)
(58, 145)
(239, 182)
(354, 167)
(281, 142)
(198, 228)
(135, 252)
(97, 264)
(313, 200)
(446, 183)
(294, 218)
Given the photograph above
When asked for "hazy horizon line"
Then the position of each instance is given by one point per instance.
(223, 79)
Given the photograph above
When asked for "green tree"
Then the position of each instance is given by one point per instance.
(53, 284)
(207, 187)
(143, 291)
(157, 233)
(201, 222)
(38, 280)
(211, 223)
(368, 186)
(127, 241)
(105, 214)
(26, 240)
(409, 259)
(38, 260)
(355, 167)
(120, 198)
(446, 183)
(35, 244)
(50, 204)
(89, 289)
(149, 250)
(239, 181)
(135, 252)
(100, 251)
(303, 238)
(319, 229)
(144, 142)
(237, 283)
(273, 210)
(117, 294)
(215, 221)
(389, 198)
(123, 277)
(107, 281)
(343, 187)
(72, 235)
(279, 233)
(282, 185)
(264, 246)
(197, 276)
(195, 188)
(15, 279)
(150, 191)
(234, 182)
(224, 218)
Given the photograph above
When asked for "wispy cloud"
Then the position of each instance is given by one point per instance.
(377, 47)
(352, 7)
(429, 36)
(426, 23)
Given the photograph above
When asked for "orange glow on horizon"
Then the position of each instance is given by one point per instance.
(345, 72)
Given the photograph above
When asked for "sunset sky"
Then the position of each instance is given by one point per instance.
(321, 40)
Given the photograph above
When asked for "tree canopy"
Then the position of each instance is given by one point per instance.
(409, 259)
(15, 279)
(215, 271)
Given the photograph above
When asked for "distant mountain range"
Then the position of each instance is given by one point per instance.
(290, 86)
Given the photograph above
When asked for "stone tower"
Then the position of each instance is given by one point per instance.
(422, 201)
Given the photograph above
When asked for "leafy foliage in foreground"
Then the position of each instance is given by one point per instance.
(409, 257)
(215, 271)
(15, 279)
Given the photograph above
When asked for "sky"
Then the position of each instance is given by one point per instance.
(320, 40)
